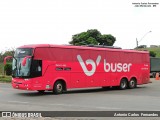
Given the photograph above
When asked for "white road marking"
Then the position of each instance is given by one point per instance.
(69, 105)
(18, 102)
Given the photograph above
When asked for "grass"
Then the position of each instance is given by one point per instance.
(155, 49)
(1, 68)
(6, 79)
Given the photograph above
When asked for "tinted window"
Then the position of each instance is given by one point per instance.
(22, 52)
(36, 68)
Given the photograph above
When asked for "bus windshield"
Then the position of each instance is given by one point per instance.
(23, 52)
(18, 70)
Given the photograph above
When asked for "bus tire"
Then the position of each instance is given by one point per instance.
(132, 83)
(58, 87)
(154, 74)
(123, 84)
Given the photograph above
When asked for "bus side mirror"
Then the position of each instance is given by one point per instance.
(24, 60)
(5, 59)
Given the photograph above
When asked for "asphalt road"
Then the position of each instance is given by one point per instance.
(145, 97)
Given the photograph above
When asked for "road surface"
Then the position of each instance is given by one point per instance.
(145, 97)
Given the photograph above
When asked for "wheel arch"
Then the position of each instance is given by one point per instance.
(63, 82)
(124, 77)
(133, 77)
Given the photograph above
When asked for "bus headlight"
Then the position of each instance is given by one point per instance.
(48, 86)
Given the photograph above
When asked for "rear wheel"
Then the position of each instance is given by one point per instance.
(123, 84)
(153, 75)
(58, 87)
(132, 83)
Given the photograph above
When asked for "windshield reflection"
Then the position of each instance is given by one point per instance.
(18, 69)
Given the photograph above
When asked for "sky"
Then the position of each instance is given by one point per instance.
(55, 21)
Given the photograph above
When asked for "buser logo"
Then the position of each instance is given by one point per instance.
(108, 67)
(91, 62)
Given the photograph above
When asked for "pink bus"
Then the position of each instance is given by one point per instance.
(45, 67)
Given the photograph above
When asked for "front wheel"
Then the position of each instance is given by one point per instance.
(132, 83)
(123, 84)
(58, 87)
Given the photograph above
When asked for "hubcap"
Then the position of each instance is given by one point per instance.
(132, 83)
(123, 85)
(59, 87)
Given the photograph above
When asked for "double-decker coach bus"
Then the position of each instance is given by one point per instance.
(60, 67)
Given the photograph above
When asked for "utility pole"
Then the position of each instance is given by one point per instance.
(137, 42)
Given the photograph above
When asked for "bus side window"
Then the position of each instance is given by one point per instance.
(39, 68)
(36, 69)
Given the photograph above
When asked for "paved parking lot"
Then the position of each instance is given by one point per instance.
(143, 98)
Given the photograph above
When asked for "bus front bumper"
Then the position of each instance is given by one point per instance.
(21, 84)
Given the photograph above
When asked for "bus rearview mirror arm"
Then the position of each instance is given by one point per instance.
(5, 59)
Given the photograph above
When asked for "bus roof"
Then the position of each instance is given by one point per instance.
(109, 48)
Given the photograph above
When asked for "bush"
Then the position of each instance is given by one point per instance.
(8, 69)
(152, 54)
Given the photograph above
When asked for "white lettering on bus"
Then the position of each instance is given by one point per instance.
(108, 67)
(116, 67)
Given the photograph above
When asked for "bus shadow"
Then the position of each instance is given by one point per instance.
(35, 94)
(79, 91)
(100, 90)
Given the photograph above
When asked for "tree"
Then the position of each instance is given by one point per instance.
(8, 69)
(107, 40)
(9, 52)
(152, 54)
(94, 37)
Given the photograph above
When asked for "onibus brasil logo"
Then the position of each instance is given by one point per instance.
(108, 67)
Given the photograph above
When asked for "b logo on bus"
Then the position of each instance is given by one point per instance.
(108, 67)
(91, 62)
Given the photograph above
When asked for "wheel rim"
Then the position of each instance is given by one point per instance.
(132, 83)
(123, 84)
(59, 87)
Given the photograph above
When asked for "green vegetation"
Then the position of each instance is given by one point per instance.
(155, 50)
(152, 54)
(92, 37)
(9, 52)
(1, 68)
(8, 69)
(5, 78)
